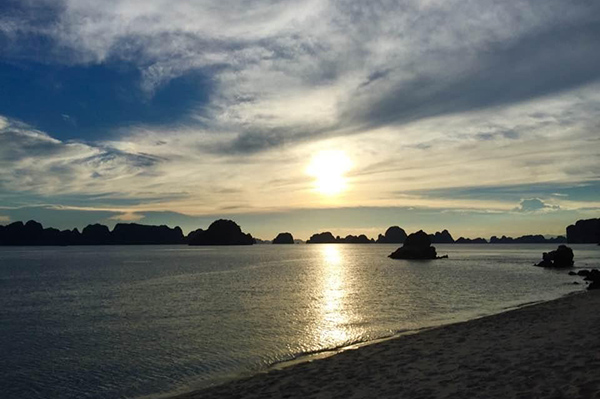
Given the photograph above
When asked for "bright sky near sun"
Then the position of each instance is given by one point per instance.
(329, 167)
(306, 115)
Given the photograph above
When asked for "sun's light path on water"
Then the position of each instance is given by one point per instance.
(328, 167)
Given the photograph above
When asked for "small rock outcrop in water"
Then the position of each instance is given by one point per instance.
(393, 235)
(591, 276)
(561, 257)
(416, 246)
(584, 232)
(220, 232)
(284, 238)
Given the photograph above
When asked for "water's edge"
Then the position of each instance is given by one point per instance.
(307, 357)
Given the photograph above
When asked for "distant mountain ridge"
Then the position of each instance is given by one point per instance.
(227, 232)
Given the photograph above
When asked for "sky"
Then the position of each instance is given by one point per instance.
(481, 117)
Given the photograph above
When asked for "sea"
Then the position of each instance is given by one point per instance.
(155, 321)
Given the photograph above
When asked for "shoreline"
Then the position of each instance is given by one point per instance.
(323, 375)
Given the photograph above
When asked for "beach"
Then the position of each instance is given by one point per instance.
(546, 350)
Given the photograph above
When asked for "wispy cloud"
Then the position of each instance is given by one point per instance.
(32, 161)
(296, 71)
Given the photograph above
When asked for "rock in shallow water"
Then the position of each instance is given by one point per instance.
(416, 246)
(561, 257)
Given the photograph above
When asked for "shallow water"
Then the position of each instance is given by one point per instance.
(109, 322)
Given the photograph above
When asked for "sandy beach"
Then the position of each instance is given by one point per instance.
(547, 350)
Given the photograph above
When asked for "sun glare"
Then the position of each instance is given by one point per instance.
(328, 168)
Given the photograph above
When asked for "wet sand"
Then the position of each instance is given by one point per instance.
(547, 350)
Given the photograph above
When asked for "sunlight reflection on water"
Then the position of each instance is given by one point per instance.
(332, 330)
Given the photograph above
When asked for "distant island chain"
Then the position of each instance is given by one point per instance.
(227, 232)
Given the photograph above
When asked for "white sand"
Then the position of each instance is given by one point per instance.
(548, 350)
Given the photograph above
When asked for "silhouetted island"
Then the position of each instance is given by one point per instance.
(283, 238)
(584, 232)
(321, 238)
(393, 235)
(220, 232)
(478, 240)
(137, 234)
(328, 238)
(360, 239)
(397, 235)
(528, 239)
(561, 257)
(416, 246)
(443, 237)
(96, 234)
(33, 233)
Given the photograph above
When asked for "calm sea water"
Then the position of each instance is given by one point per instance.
(112, 322)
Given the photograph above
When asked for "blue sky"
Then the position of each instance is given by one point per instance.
(85, 102)
(482, 117)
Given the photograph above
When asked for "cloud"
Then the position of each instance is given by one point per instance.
(160, 168)
(287, 72)
(534, 205)
(33, 161)
(4, 219)
(128, 217)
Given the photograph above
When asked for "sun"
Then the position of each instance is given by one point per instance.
(328, 168)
